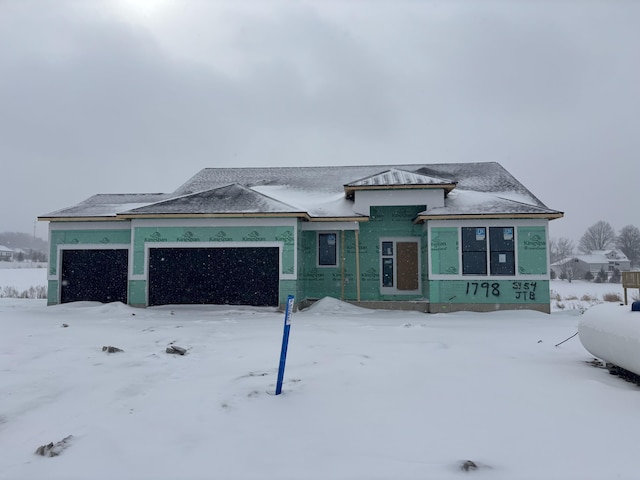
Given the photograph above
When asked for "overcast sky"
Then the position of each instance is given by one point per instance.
(138, 95)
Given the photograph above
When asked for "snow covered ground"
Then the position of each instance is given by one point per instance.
(367, 394)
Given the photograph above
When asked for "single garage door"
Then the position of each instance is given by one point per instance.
(94, 275)
(220, 276)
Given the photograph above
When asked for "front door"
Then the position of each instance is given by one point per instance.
(400, 266)
(407, 265)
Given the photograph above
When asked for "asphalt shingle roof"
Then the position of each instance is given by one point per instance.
(108, 205)
(223, 200)
(481, 188)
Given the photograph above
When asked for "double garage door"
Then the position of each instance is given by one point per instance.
(232, 276)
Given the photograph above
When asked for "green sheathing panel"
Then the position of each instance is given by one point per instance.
(424, 252)
(531, 260)
(445, 256)
(318, 282)
(52, 292)
(518, 292)
(532, 250)
(287, 287)
(384, 222)
(138, 293)
(300, 293)
(84, 237)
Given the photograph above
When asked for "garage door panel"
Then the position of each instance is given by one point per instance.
(94, 275)
(233, 276)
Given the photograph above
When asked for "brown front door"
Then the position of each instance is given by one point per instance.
(407, 265)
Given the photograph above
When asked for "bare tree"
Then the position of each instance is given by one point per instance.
(598, 236)
(628, 241)
(566, 271)
(560, 248)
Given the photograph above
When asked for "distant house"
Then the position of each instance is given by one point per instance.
(6, 254)
(579, 265)
(436, 237)
(19, 253)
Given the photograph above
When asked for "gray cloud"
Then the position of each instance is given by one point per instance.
(97, 101)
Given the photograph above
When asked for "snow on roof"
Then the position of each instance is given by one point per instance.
(5, 249)
(482, 177)
(481, 188)
(108, 205)
(224, 200)
(479, 203)
(595, 257)
(611, 254)
(316, 203)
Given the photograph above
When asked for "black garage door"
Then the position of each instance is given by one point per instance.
(94, 275)
(232, 276)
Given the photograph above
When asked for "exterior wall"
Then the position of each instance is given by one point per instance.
(365, 199)
(440, 275)
(213, 233)
(450, 290)
(385, 222)
(141, 235)
(321, 281)
(340, 281)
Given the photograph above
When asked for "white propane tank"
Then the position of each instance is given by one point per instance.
(611, 332)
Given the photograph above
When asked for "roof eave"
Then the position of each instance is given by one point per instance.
(338, 219)
(132, 216)
(110, 218)
(488, 216)
(447, 187)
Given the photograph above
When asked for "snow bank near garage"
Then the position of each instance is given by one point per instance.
(611, 332)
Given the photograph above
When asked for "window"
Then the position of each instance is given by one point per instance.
(387, 264)
(474, 250)
(328, 249)
(501, 248)
(502, 258)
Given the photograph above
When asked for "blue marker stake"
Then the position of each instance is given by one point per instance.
(285, 343)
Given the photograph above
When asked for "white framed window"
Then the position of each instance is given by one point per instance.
(498, 242)
(327, 249)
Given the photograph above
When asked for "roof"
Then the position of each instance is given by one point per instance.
(482, 177)
(596, 257)
(396, 177)
(102, 206)
(319, 193)
(229, 200)
(5, 249)
(476, 204)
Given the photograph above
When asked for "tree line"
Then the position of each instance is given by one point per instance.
(599, 236)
